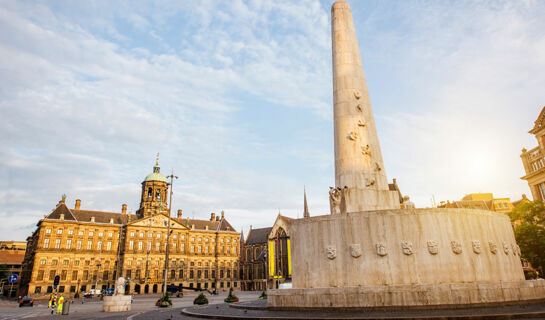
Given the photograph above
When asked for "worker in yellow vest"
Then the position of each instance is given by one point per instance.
(59, 304)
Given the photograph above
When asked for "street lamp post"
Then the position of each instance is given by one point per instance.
(172, 177)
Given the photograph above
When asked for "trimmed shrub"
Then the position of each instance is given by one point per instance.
(164, 301)
(231, 297)
(200, 299)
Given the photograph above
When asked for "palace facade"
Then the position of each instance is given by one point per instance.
(91, 249)
(533, 160)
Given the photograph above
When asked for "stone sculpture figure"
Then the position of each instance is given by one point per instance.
(381, 249)
(335, 196)
(476, 244)
(456, 246)
(433, 247)
(355, 250)
(493, 247)
(120, 286)
(407, 247)
(331, 252)
(353, 135)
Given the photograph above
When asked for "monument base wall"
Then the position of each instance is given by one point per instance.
(435, 295)
(117, 303)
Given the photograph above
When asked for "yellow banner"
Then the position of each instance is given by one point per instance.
(289, 258)
(271, 258)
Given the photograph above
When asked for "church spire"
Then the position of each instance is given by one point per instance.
(306, 214)
(156, 168)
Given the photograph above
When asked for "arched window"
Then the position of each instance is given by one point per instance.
(158, 195)
(149, 193)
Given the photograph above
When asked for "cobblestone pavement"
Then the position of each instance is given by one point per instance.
(92, 308)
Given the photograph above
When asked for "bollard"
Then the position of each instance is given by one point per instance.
(66, 307)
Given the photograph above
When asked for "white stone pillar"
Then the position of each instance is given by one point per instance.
(360, 177)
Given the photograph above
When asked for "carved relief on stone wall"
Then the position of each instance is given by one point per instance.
(505, 248)
(365, 150)
(353, 135)
(331, 252)
(335, 196)
(355, 250)
(359, 107)
(433, 247)
(357, 94)
(476, 244)
(513, 250)
(377, 167)
(518, 249)
(381, 249)
(361, 123)
(493, 247)
(456, 246)
(407, 247)
(370, 183)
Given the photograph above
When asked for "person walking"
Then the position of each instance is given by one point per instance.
(52, 302)
(59, 305)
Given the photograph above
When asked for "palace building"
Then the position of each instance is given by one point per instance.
(91, 249)
(533, 160)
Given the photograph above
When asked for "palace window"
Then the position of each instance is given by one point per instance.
(70, 232)
(75, 275)
(91, 233)
(149, 245)
(200, 239)
(192, 249)
(59, 231)
(182, 247)
(65, 262)
(78, 244)
(199, 249)
(183, 237)
(100, 234)
(141, 234)
(174, 246)
(80, 233)
(140, 245)
(175, 236)
(228, 240)
(181, 274)
(89, 245)
(541, 187)
(57, 243)
(213, 273)
(150, 192)
(221, 240)
(46, 243)
(221, 273)
(40, 275)
(86, 275)
(99, 245)
(206, 249)
(69, 244)
(158, 236)
(109, 246)
(157, 245)
(63, 274)
(52, 274)
(42, 262)
(76, 263)
(206, 239)
(131, 245)
(132, 234)
(150, 234)
(48, 231)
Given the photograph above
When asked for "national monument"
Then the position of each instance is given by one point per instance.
(370, 253)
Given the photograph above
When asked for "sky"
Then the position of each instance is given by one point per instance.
(236, 97)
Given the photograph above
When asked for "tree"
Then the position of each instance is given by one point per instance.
(529, 221)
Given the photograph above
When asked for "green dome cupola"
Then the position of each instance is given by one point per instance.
(156, 174)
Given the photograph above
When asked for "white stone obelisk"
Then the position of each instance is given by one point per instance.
(360, 177)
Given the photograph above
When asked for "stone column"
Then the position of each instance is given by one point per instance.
(360, 177)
